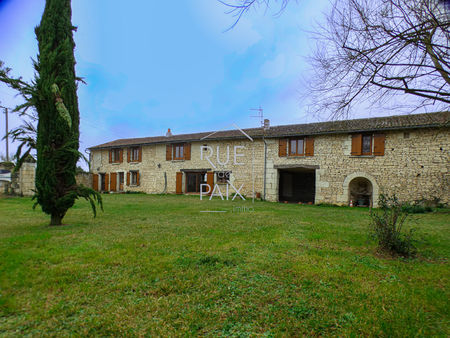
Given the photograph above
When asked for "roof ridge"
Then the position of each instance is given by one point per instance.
(351, 125)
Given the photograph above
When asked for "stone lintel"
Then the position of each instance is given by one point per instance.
(195, 170)
(294, 166)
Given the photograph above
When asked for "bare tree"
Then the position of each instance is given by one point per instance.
(238, 8)
(375, 51)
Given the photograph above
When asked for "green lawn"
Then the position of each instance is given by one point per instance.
(156, 265)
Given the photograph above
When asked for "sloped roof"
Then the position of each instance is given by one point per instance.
(397, 122)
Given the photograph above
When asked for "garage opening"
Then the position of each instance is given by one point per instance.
(297, 185)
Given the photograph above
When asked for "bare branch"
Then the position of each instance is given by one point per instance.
(371, 51)
(238, 8)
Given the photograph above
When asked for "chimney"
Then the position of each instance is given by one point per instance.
(266, 124)
(169, 133)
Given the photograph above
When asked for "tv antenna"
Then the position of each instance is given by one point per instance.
(265, 123)
(260, 115)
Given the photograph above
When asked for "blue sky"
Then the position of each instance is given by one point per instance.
(153, 65)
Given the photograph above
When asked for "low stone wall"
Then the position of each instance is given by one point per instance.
(23, 182)
(26, 180)
(84, 179)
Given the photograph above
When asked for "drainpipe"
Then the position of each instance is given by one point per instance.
(165, 184)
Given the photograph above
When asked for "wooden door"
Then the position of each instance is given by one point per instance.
(113, 184)
(179, 184)
(95, 182)
(210, 181)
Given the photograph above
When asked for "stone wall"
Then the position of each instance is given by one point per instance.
(154, 165)
(84, 179)
(23, 182)
(26, 180)
(415, 166)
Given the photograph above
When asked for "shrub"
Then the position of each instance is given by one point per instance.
(387, 227)
(415, 208)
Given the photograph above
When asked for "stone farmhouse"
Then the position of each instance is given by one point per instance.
(339, 162)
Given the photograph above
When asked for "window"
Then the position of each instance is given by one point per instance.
(296, 147)
(368, 144)
(302, 146)
(135, 154)
(223, 176)
(134, 177)
(178, 152)
(115, 155)
(121, 181)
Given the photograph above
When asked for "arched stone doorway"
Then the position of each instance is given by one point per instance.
(360, 183)
(360, 192)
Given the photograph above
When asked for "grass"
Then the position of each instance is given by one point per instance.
(156, 265)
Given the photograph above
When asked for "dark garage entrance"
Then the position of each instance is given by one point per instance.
(297, 185)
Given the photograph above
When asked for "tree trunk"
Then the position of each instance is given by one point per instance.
(56, 219)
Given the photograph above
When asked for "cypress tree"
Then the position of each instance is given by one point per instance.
(56, 102)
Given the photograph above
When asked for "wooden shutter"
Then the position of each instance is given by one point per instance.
(282, 147)
(210, 181)
(121, 155)
(356, 144)
(110, 155)
(378, 144)
(95, 182)
(187, 151)
(113, 184)
(138, 178)
(128, 154)
(106, 182)
(179, 185)
(309, 146)
(128, 178)
(140, 154)
(168, 152)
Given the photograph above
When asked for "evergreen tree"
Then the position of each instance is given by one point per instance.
(55, 100)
